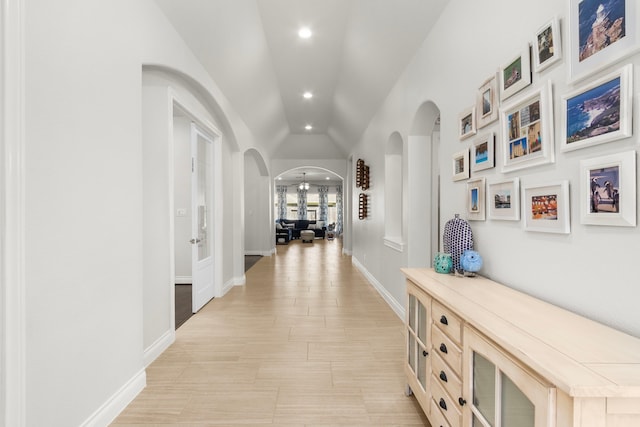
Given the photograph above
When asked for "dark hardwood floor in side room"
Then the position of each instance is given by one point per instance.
(183, 293)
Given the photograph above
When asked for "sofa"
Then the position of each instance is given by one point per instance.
(295, 226)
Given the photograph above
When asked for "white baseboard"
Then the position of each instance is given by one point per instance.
(234, 281)
(260, 253)
(116, 404)
(395, 306)
(347, 252)
(183, 280)
(158, 347)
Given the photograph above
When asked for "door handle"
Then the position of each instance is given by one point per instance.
(194, 241)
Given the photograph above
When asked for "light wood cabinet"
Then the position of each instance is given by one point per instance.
(482, 354)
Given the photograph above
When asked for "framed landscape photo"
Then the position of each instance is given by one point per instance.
(482, 153)
(461, 165)
(601, 33)
(515, 75)
(527, 131)
(504, 200)
(608, 190)
(476, 199)
(547, 46)
(546, 208)
(598, 112)
(487, 102)
(467, 123)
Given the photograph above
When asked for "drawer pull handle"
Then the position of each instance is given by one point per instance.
(443, 404)
(443, 348)
(424, 353)
(443, 320)
(461, 401)
(443, 376)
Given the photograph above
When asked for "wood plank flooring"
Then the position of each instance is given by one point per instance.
(306, 342)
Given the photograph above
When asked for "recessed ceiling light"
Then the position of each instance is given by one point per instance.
(304, 33)
(327, 178)
(308, 127)
(307, 95)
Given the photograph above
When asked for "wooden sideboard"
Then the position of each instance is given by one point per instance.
(480, 353)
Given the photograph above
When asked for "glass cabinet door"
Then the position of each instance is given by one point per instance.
(417, 352)
(503, 393)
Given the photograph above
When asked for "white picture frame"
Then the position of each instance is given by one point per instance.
(467, 123)
(483, 153)
(476, 197)
(503, 199)
(587, 111)
(515, 74)
(608, 190)
(546, 208)
(527, 130)
(547, 45)
(460, 163)
(487, 102)
(586, 57)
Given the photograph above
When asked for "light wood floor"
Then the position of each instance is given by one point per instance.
(307, 341)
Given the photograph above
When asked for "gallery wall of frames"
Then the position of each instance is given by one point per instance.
(508, 113)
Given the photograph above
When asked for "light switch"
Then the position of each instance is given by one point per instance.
(181, 212)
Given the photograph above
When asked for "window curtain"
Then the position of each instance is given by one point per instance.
(302, 204)
(282, 201)
(323, 196)
(339, 205)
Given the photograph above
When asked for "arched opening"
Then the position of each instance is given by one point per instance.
(393, 193)
(423, 186)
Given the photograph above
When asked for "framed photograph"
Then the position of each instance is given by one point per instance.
(547, 47)
(487, 102)
(515, 75)
(476, 199)
(546, 208)
(482, 153)
(461, 165)
(598, 112)
(601, 33)
(504, 200)
(608, 190)
(527, 131)
(467, 123)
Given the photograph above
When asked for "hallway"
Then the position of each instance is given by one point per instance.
(307, 341)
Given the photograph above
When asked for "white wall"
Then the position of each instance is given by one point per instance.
(89, 312)
(589, 271)
(182, 197)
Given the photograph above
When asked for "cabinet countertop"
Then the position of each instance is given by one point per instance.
(582, 357)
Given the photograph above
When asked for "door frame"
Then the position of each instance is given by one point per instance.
(12, 216)
(212, 132)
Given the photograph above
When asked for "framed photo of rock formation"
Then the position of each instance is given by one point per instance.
(527, 130)
(547, 46)
(598, 112)
(601, 32)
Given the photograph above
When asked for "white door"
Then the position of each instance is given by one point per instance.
(202, 256)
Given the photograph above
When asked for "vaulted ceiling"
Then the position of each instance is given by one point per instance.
(356, 53)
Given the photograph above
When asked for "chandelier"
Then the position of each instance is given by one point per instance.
(304, 185)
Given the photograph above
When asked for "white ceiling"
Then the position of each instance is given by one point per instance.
(253, 53)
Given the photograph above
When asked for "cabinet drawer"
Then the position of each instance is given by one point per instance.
(437, 419)
(447, 321)
(446, 377)
(446, 349)
(448, 407)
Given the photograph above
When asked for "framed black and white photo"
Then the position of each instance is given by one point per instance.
(487, 102)
(467, 123)
(482, 153)
(461, 165)
(476, 199)
(547, 46)
(527, 131)
(608, 190)
(600, 34)
(599, 112)
(546, 207)
(515, 74)
(504, 200)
